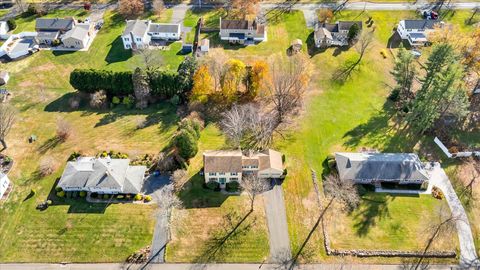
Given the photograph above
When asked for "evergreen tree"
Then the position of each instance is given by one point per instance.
(141, 88)
(404, 73)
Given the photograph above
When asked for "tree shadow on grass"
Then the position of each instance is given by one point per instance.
(384, 130)
(311, 47)
(49, 144)
(369, 211)
(196, 195)
(228, 235)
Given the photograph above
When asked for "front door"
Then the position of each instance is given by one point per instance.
(222, 181)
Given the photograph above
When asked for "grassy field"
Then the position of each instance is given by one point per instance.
(40, 91)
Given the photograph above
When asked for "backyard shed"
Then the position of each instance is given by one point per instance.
(4, 77)
(297, 45)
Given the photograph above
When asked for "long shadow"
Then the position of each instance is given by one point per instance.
(196, 195)
(311, 48)
(395, 41)
(117, 53)
(372, 209)
(383, 130)
(234, 225)
(49, 144)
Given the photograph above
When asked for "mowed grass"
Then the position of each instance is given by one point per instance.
(208, 216)
(388, 221)
(40, 90)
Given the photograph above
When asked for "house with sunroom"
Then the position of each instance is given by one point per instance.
(416, 31)
(227, 166)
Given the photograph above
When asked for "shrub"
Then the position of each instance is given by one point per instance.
(213, 185)
(64, 130)
(61, 194)
(191, 127)
(283, 158)
(331, 164)
(106, 196)
(83, 194)
(74, 156)
(58, 189)
(116, 100)
(49, 202)
(148, 198)
(11, 24)
(361, 189)
(437, 193)
(175, 100)
(285, 172)
(186, 144)
(55, 42)
(7, 160)
(129, 102)
(233, 186)
(138, 197)
(47, 166)
(120, 197)
(394, 95)
(98, 100)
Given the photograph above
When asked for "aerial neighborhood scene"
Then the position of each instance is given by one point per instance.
(239, 134)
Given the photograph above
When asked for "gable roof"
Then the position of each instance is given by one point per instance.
(137, 27)
(321, 33)
(77, 32)
(222, 161)
(380, 166)
(419, 24)
(164, 28)
(100, 173)
(53, 24)
(48, 34)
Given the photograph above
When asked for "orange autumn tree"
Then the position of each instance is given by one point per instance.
(232, 79)
(257, 75)
(130, 8)
(242, 9)
(202, 85)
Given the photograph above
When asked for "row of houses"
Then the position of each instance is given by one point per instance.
(117, 176)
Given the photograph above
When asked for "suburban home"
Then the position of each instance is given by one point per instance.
(416, 31)
(4, 183)
(51, 29)
(4, 77)
(227, 166)
(379, 169)
(3, 28)
(103, 176)
(139, 33)
(78, 37)
(242, 31)
(327, 34)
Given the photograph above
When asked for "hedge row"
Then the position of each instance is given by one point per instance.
(92, 80)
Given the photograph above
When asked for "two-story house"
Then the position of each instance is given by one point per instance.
(327, 34)
(227, 166)
(139, 33)
(242, 31)
(103, 176)
(416, 31)
(380, 168)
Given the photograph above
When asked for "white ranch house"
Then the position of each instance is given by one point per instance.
(416, 31)
(139, 33)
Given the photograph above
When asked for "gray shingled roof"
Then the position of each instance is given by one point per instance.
(78, 33)
(419, 24)
(54, 24)
(136, 27)
(380, 166)
(48, 34)
(107, 173)
(163, 28)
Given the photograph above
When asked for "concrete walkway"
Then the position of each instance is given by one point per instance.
(468, 255)
(277, 225)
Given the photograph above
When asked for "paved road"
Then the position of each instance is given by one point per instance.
(468, 255)
(113, 266)
(368, 6)
(277, 225)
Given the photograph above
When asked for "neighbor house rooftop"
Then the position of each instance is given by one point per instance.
(54, 24)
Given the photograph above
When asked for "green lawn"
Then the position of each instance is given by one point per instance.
(27, 24)
(385, 221)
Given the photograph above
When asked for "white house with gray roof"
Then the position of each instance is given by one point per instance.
(328, 34)
(139, 33)
(416, 31)
(78, 37)
(103, 176)
(227, 166)
(377, 168)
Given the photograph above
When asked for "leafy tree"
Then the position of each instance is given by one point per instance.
(202, 85)
(257, 74)
(353, 32)
(404, 73)
(325, 15)
(186, 144)
(93, 80)
(234, 75)
(141, 88)
(130, 8)
(11, 24)
(440, 85)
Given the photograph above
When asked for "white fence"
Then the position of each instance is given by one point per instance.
(457, 154)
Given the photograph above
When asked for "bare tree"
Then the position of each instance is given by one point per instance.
(151, 59)
(47, 166)
(7, 119)
(130, 8)
(158, 6)
(168, 201)
(247, 127)
(343, 191)
(22, 5)
(179, 178)
(362, 46)
(253, 186)
(289, 79)
(216, 61)
(64, 130)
